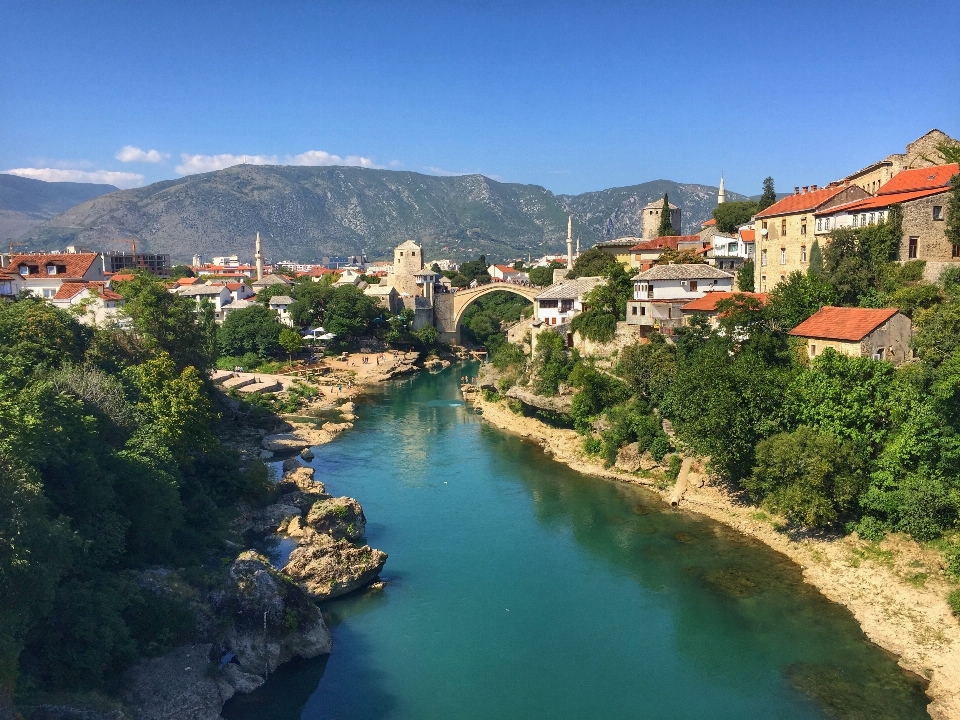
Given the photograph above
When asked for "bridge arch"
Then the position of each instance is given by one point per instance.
(458, 302)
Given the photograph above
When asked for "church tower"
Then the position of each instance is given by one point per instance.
(721, 196)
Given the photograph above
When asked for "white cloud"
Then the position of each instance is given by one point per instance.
(445, 173)
(192, 164)
(120, 179)
(131, 153)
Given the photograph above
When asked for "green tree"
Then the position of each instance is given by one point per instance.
(592, 263)
(349, 312)
(745, 281)
(428, 335)
(541, 276)
(476, 270)
(648, 367)
(731, 215)
(666, 226)
(291, 341)
(181, 271)
(816, 259)
(769, 196)
(264, 295)
(551, 364)
(680, 257)
(807, 476)
(253, 329)
(798, 297)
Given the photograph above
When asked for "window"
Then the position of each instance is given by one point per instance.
(873, 218)
(413, 254)
(783, 226)
(803, 226)
(863, 220)
(813, 350)
(937, 212)
(633, 310)
(764, 224)
(51, 269)
(763, 257)
(878, 355)
(803, 253)
(643, 310)
(401, 253)
(566, 305)
(693, 286)
(819, 224)
(956, 251)
(547, 304)
(48, 293)
(24, 270)
(912, 248)
(783, 256)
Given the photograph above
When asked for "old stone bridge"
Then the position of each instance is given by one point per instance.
(448, 308)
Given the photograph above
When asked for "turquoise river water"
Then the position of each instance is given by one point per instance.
(518, 588)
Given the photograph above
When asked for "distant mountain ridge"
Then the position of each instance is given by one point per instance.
(25, 202)
(304, 213)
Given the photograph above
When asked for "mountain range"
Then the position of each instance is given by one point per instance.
(306, 213)
(25, 202)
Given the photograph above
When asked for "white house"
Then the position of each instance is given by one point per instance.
(218, 295)
(280, 303)
(44, 273)
(10, 284)
(729, 252)
(93, 302)
(503, 273)
(660, 293)
(559, 303)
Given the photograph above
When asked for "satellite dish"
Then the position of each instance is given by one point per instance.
(764, 232)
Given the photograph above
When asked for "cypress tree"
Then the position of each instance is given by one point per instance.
(666, 227)
(769, 196)
(816, 259)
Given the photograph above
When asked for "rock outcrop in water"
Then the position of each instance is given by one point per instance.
(328, 568)
(274, 620)
(340, 518)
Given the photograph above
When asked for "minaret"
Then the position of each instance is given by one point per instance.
(721, 196)
(570, 242)
(259, 256)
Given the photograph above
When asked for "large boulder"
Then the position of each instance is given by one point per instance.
(239, 680)
(176, 686)
(296, 441)
(340, 517)
(300, 479)
(328, 568)
(273, 619)
(60, 712)
(628, 458)
(271, 518)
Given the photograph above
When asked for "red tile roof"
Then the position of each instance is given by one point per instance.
(76, 264)
(122, 277)
(506, 269)
(937, 176)
(748, 235)
(708, 223)
(804, 202)
(883, 201)
(708, 303)
(842, 323)
(68, 290)
(664, 242)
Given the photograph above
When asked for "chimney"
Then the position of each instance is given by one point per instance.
(796, 191)
(806, 189)
(813, 188)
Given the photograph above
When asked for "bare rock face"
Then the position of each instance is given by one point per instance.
(176, 686)
(240, 681)
(340, 517)
(296, 441)
(628, 458)
(328, 568)
(647, 462)
(301, 479)
(273, 618)
(334, 428)
(57, 712)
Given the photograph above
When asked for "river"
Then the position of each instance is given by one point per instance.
(518, 588)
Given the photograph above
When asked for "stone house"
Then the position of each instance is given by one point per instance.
(559, 303)
(218, 295)
(785, 230)
(280, 304)
(881, 334)
(651, 218)
(660, 293)
(503, 273)
(923, 194)
(921, 153)
(269, 280)
(646, 254)
(386, 295)
(620, 249)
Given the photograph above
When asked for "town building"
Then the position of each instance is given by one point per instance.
(646, 254)
(94, 303)
(269, 280)
(386, 295)
(280, 304)
(651, 218)
(922, 194)
(730, 252)
(43, 273)
(660, 293)
(503, 273)
(217, 295)
(707, 305)
(10, 284)
(881, 334)
(559, 303)
(785, 230)
(620, 249)
(921, 153)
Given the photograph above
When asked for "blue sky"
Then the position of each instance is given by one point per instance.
(571, 96)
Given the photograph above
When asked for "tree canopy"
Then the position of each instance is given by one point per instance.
(769, 196)
(666, 226)
(731, 215)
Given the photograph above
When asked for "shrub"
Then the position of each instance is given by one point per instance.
(592, 445)
(953, 599)
(868, 528)
(673, 471)
(660, 446)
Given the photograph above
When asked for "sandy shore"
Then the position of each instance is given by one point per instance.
(896, 591)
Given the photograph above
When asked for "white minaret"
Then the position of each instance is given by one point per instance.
(259, 256)
(569, 242)
(721, 196)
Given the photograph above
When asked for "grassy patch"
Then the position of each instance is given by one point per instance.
(954, 600)
(871, 552)
(917, 579)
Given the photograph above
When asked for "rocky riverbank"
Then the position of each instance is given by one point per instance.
(895, 589)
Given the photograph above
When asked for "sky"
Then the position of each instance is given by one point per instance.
(571, 96)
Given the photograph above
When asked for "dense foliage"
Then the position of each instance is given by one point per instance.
(108, 465)
(483, 321)
(592, 263)
(769, 196)
(731, 215)
(666, 227)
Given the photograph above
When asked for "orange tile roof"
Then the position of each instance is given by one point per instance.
(185, 281)
(122, 277)
(883, 201)
(77, 264)
(68, 290)
(708, 303)
(937, 176)
(664, 242)
(842, 323)
(708, 223)
(506, 269)
(748, 235)
(804, 202)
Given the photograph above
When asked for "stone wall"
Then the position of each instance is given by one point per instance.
(918, 222)
(625, 335)
(443, 317)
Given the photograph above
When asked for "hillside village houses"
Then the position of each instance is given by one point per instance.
(660, 294)
(880, 334)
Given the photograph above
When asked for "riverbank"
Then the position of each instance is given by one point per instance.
(896, 589)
